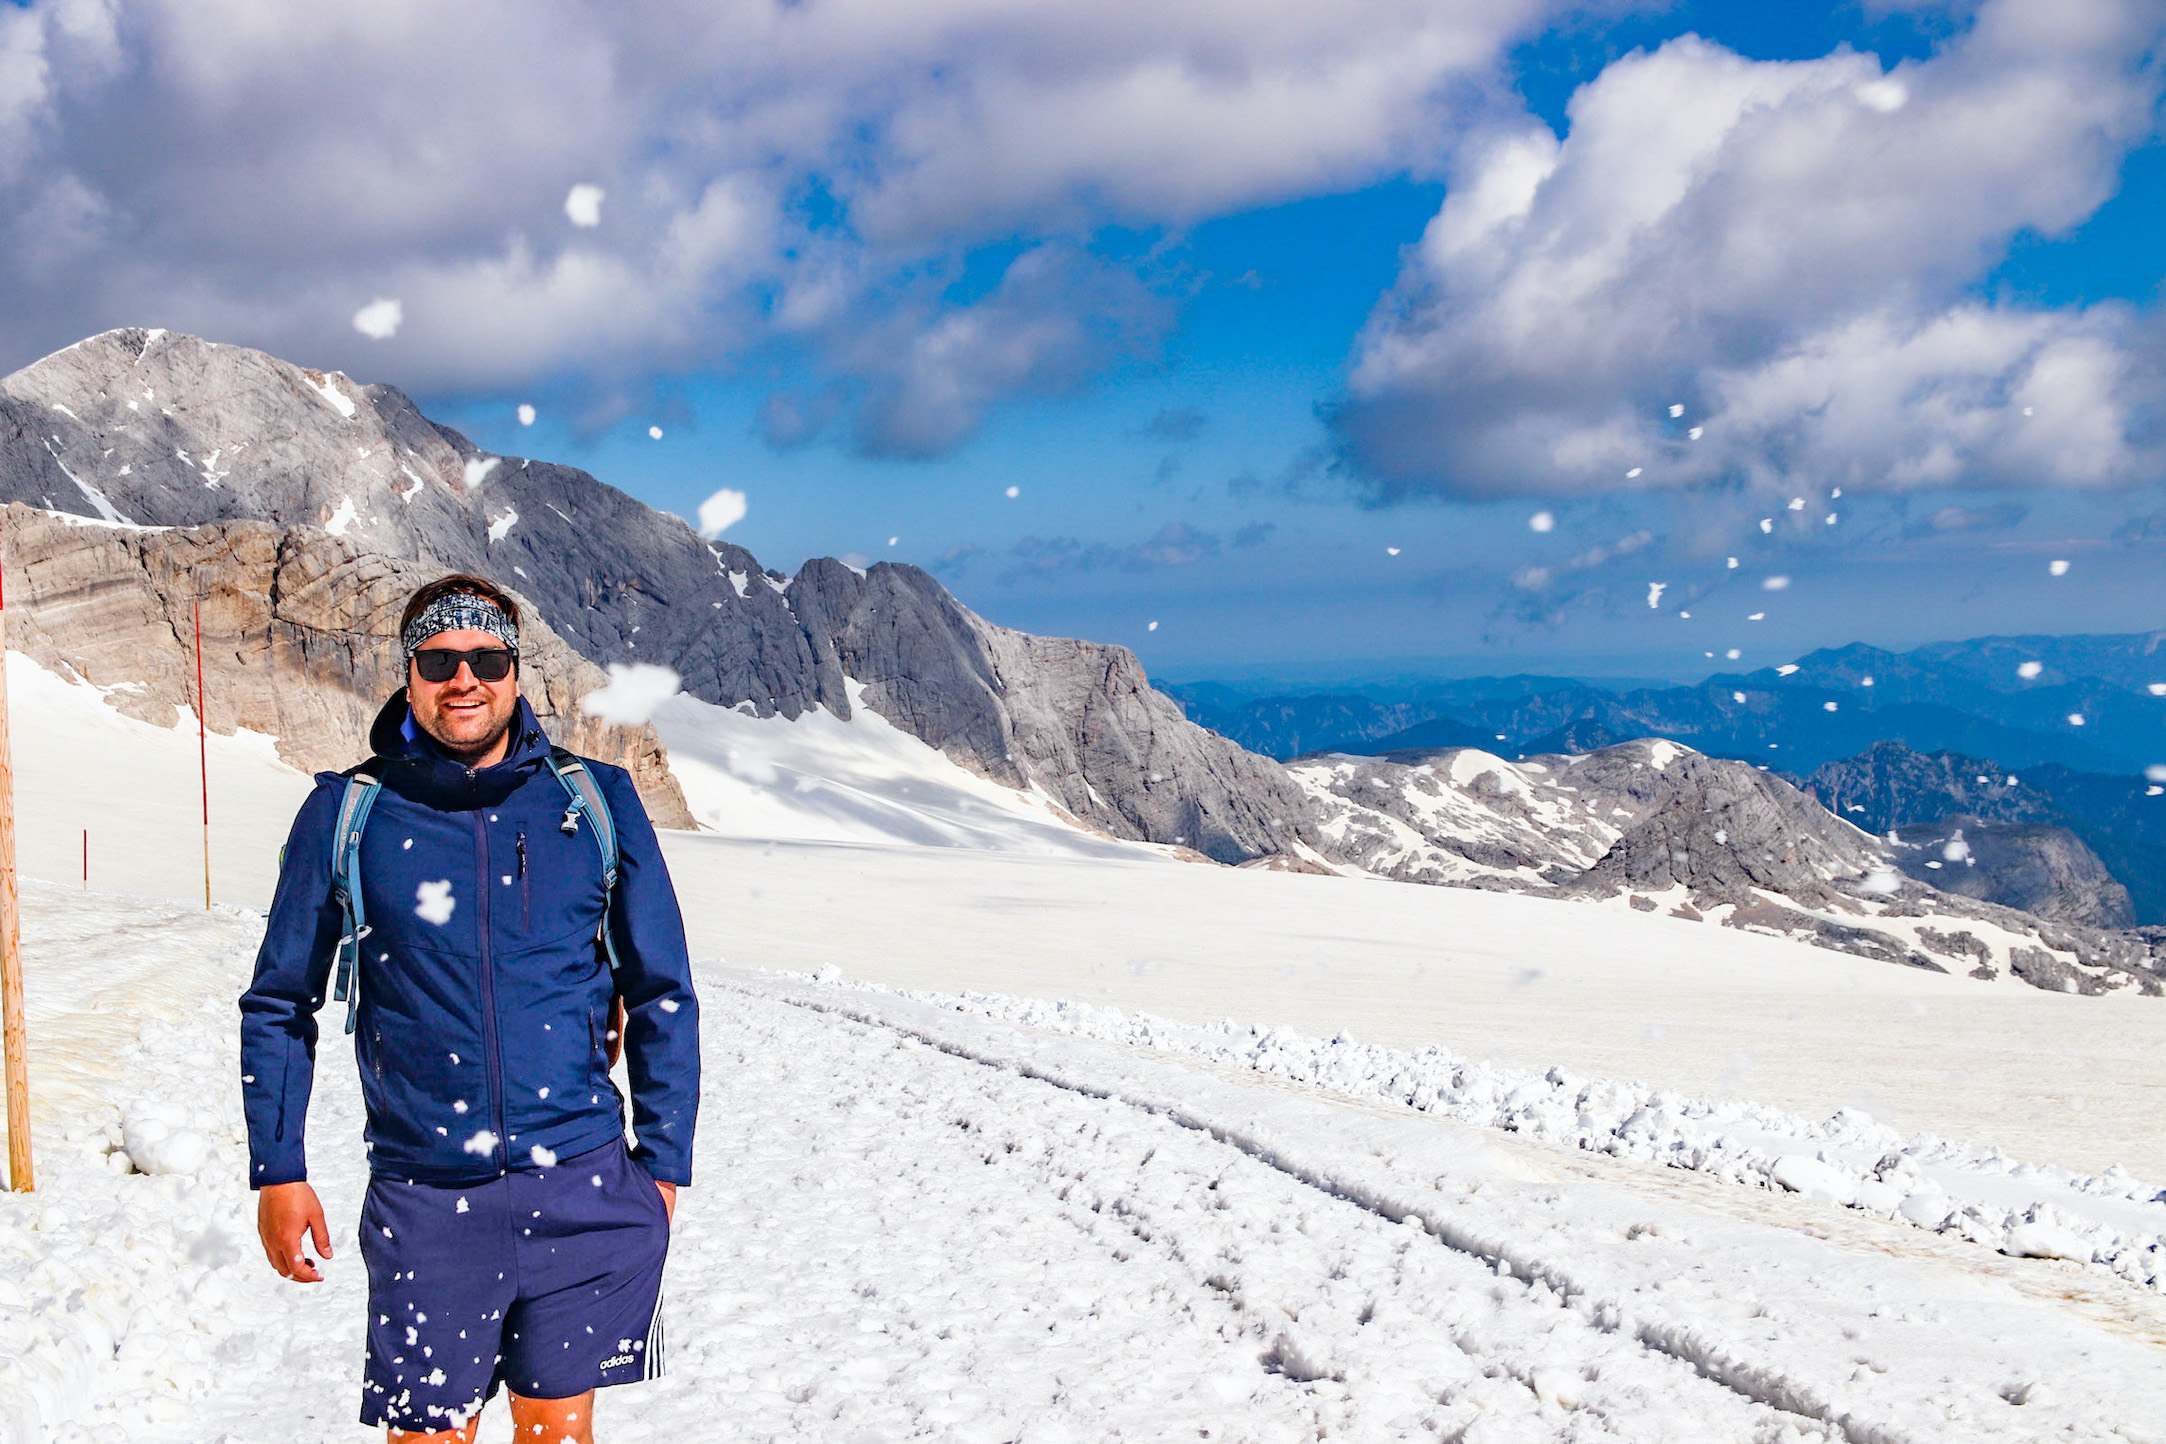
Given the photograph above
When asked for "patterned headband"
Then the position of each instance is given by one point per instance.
(460, 612)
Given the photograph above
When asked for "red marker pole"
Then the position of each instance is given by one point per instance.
(203, 757)
(14, 1033)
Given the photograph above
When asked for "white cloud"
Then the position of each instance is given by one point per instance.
(1786, 244)
(436, 155)
(634, 691)
(720, 512)
(583, 205)
(379, 319)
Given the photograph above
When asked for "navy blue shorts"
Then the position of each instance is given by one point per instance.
(548, 1281)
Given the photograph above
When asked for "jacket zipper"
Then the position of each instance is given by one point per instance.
(493, 1058)
(526, 919)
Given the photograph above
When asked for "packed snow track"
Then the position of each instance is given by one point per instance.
(912, 1223)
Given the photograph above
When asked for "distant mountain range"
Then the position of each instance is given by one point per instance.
(2058, 731)
(2091, 703)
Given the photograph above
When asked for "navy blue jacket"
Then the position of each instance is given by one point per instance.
(482, 1039)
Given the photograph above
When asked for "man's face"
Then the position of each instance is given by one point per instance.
(468, 717)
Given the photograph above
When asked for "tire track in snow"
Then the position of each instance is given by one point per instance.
(1757, 1382)
(1859, 1408)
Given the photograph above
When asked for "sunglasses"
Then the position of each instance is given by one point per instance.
(441, 664)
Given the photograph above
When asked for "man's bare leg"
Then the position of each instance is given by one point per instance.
(553, 1421)
(533, 1421)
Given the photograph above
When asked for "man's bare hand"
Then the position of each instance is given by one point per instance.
(669, 1200)
(285, 1214)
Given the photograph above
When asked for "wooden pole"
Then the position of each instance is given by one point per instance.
(203, 757)
(14, 1033)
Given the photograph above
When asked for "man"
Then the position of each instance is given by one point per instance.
(510, 1235)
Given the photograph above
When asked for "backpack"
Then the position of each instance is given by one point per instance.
(362, 785)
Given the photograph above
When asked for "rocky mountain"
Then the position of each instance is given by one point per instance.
(137, 428)
(2085, 846)
(1658, 826)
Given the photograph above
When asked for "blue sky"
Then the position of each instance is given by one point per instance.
(1904, 253)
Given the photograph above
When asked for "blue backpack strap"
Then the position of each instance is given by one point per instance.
(586, 798)
(362, 785)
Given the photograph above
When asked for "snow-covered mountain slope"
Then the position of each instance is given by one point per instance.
(1701, 838)
(912, 1222)
(819, 778)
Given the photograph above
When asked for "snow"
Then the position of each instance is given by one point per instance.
(1023, 1176)
(107, 512)
(583, 205)
(913, 1221)
(500, 527)
(433, 902)
(379, 320)
(721, 511)
(820, 779)
(341, 518)
(634, 691)
(526, 414)
(326, 388)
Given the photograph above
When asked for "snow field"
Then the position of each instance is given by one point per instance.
(915, 1223)
(821, 779)
(2111, 1220)
(1865, 1346)
(1529, 983)
(856, 845)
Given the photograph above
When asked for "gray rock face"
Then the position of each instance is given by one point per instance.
(159, 429)
(299, 637)
(1078, 719)
(2039, 868)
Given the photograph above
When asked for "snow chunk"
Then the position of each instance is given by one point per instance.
(1814, 1179)
(542, 1157)
(157, 1139)
(720, 512)
(478, 469)
(342, 518)
(526, 415)
(583, 205)
(379, 319)
(434, 902)
(2042, 1238)
(483, 1142)
(634, 691)
(501, 526)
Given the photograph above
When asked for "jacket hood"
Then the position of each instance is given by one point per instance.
(422, 767)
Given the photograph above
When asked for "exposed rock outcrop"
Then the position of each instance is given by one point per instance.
(299, 637)
(1077, 719)
(2036, 867)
